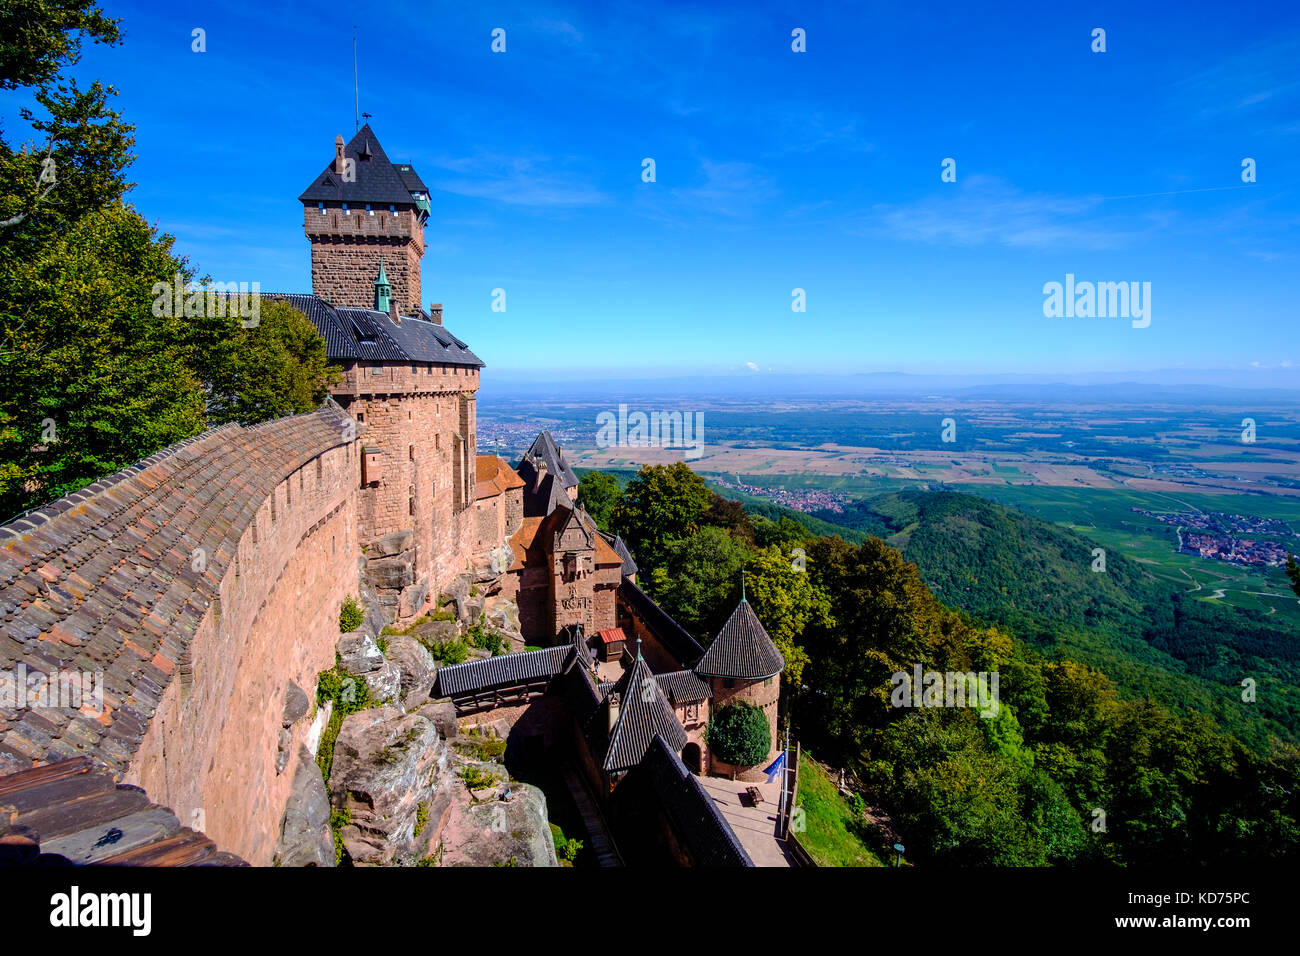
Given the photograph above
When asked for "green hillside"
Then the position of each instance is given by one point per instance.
(1038, 580)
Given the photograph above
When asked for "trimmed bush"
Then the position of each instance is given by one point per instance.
(738, 734)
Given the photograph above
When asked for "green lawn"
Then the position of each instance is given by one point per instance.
(832, 834)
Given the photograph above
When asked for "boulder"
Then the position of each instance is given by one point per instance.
(305, 838)
(296, 704)
(386, 765)
(358, 653)
(416, 667)
(443, 714)
(360, 656)
(508, 831)
(390, 544)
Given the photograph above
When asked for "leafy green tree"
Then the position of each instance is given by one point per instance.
(699, 580)
(38, 38)
(662, 503)
(93, 380)
(787, 602)
(598, 492)
(272, 369)
(730, 515)
(1293, 572)
(738, 734)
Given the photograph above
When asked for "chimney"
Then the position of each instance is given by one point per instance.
(435, 312)
(338, 155)
(540, 476)
(613, 709)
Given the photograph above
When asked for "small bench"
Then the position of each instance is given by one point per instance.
(755, 797)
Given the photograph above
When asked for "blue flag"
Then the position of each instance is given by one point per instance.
(776, 767)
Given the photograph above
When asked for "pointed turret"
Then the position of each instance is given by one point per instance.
(742, 650)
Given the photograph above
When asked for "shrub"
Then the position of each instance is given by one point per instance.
(739, 734)
(348, 695)
(449, 652)
(476, 778)
(338, 820)
(350, 615)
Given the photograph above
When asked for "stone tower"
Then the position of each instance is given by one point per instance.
(743, 664)
(360, 211)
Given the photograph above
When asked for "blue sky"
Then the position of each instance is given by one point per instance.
(775, 170)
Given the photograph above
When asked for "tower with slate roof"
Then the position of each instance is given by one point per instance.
(743, 664)
(360, 210)
(410, 384)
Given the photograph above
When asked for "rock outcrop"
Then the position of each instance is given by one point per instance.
(386, 774)
(360, 656)
(305, 838)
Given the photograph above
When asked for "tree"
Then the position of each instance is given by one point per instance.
(93, 380)
(738, 734)
(699, 580)
(598, 492)
(38, 38)
(662, 503)
(788, 603)
(1293, 572)
(275, 368)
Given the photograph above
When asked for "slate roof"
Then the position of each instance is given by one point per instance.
(643, 713)
(545, 449)
(72, 813)
(101, 580)
(377, 179)
(742, 650)
(503, 669)
(691, 811)
(620, 548)
(669, 633)
(683, 687)
(370, 336)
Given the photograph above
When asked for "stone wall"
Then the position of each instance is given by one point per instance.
(210, 750)
(346, 249)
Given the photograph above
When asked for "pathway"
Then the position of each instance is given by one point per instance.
(599, 839)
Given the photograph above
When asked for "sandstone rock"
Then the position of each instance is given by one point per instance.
(513, 831)
(296, 704)
(358, 653)
(413, 599)
(390, 544)
(386, 764)
(443, 714)
(394, 572)
(417, 669)
(438, 631)
(305, 838)
(360, 656)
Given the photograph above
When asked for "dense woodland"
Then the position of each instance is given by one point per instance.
(1107, 747)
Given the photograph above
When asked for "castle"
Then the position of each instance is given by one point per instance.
(203, 583)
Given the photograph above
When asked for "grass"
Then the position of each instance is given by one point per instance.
(833, 834)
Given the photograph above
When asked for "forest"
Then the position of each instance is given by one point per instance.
(1124, 735)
